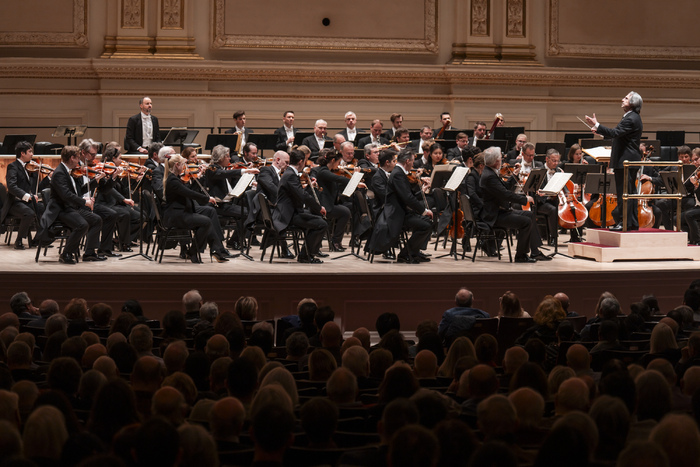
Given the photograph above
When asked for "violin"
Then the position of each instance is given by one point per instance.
(572, 213)
(33, 166)
(191, 172)
(85, 171)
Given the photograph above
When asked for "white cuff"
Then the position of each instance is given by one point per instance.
(26, 197)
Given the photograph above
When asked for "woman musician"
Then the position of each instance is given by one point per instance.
(182, 212)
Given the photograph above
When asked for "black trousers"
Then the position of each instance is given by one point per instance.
(421, 228)
(81, 222)
(528, 236)
(25, 213)
(315, 226)
(109, 221)
(341, 215)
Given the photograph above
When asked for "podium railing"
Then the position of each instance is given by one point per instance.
(627, 196)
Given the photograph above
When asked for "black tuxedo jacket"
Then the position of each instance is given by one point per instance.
(472, 184)
(179, 199)
(281, 134)
(331, 184)
(379, 185)
(246, 132)
(64, 198)
(268, 183)
(216, 180)
(312, 144)
(625, 136)
(497, 195)
(365, 164)
(388, 134)
(359, 134)
(19, 183)
(291, 199)
(368, 139)
(134, 133)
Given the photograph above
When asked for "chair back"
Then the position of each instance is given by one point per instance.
(362, 206)
(467, 208)
(156, 208)
(265, 211)
(483, 326)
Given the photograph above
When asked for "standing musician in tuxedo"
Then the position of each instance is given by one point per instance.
(182, 212)
(74, 211)
(22, 199)
(375, 135)
(318, 140)
(402, 211)
(396, 124)
(240, 128)
(142, 129)
(625, 147)
(291, 199)
(479, 133)
(350, 132)
(426, 133)
(497, 211)
(285, 134)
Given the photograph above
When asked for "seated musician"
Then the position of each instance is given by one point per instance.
(472, 187)
(528, 163)
(190, 156)
(290, 209)
(347, 152)
(71, 209)
(370, 164)
(164, 153)
(90, 187)
(576, 156)
(110, 196)
(182, 212)
(402, 211)
(375, 135)
(387, 162)
(548, 206)
(433, 157)
(479, 133)
(396, 124)
(318, 140)
(497, 211)
(516, 152)
(249, 154)
(338, 141)
(402, 136)
(462, 153)
(22, 193)
(330, 187)
(221, 179)
(668, 206)
(426, 134)
(690, 219)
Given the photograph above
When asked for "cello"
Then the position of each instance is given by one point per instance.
(572, 213)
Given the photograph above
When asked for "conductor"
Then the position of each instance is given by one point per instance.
(625, 147)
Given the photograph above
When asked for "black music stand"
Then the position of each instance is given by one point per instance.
(542, 148)
(446, 135)
(69, 131)
(263, 142)
(440, 179)
(573, 138)
(579, 173)
(139, 187)
(228, 140)
(602, 185)
(179, 137)
(484, 144)
(10, 141)
(508, 133)
(299, 137)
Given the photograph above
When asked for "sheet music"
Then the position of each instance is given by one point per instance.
(243, 183)
(556, 184)
(599, 152)
(456, 179)
(352, 184)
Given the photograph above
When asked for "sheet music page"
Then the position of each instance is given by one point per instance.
(556, 183)
(456, 179)
(352, 184)
(599, 152)
(243, 183)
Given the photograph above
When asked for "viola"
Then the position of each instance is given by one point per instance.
(572, 214)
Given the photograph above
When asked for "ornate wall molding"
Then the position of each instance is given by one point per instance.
(132, 14)
(480, 21)
(77, 38)
(172, 14)
(426, 44)
(556, 47)
(515, 18)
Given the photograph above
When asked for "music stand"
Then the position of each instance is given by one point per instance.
(573, 138)
(69, 131)
(448, 144)
(534, 180)
(10, 141)
(602, 185)
(594, 143)
(299, 137)
(447, 134)
(228, 140)
(542, 148)
(673, 183)
(579, 173)
(688, 170)
(484, 144)
(263, 141)
(179, 137)
(139, 187)
(440, 175)
(508, 133)
(454, 180)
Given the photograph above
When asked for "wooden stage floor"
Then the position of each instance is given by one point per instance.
(357, 290)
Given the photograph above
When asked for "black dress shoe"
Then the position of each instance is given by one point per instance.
(219, 257)
(125, 249)
(66, 258)
(389, 256)
(234, 245)
(19, 246)
(320, 254)
(311, 260)
(286, 254)
(94, 257)
(355, 242)
(524, 259)
(338, 247)
(109, 254)
(422, 259)
(406, 259)
(541, 257)
(616, 228)
(226, 254)
(195, 258)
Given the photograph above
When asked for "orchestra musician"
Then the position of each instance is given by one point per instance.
(549, 206)
(165, 153)
(446, 121)
(74, 211)
(479, 133)
(285, 134)
(402, 136)
(318, 140)
(182, 212)
(347, 152)
(142, 129)
(497, 211)
(625, 147)
(350, 131)
(668, 206)
(249, 154)
(370, 164)
(528, 163)
(426, 134)
(240, 128)
(387, 162)
(402, 211)
(396, 124)
(514, 154)
(375, 135)
(290, 209)
(462, 153)
(472, 187)
(691, 217)
(338, 140)
(22, 193)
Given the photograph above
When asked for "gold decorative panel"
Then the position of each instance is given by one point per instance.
(361, 25)
(480, 18)
(515, 24)
(44, 23)
(623, 29)
(132, 14)
(172, 14)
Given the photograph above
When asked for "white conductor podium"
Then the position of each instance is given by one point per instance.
(639, 245)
